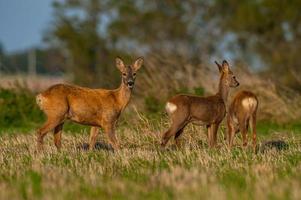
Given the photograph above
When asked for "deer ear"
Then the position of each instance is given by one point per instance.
(138, 63)
(220, 68)
(120, 64)
(225, 66)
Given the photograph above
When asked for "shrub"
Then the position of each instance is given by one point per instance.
(199, 91)
(152, 104)
(18, 108)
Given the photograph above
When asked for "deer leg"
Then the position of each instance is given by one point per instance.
(209, 135)
(243, 130)
(178, 122)
(231, 132)
(57, 134)
(253, 129)
(93, 136)
(177, 135)
(110, 131)
(50, 124)
(171, 131)
(214, 128)
(175, 127)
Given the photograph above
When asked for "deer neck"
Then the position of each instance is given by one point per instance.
(123, 95)
(223, 90)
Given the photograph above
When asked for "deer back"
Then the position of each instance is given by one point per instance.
(83, 105)
(205, 109)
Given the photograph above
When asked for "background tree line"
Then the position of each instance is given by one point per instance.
(85, 36)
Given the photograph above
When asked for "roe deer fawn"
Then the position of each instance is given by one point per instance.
(93, 107)
(242, 113)
(209, 111)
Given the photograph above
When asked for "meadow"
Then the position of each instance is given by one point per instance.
(77, 42)
(141, 170)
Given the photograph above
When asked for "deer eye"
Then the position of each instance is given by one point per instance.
(134, 74)
(123, 74)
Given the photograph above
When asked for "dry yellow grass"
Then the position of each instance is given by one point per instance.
(140, 170)
(33, 83)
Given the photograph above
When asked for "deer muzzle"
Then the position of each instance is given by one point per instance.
(130, 84)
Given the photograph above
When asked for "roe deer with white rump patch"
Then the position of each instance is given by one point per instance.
(99, 108)
(242, 114)
(209, 111)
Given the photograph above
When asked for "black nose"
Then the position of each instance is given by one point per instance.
(130, 83)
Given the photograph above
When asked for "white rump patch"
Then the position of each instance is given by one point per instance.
(39, 100)
(170, 107)
(249, 103)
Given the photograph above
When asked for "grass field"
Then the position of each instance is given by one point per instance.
(141, 170)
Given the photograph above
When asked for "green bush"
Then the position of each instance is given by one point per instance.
(153, 105)
(182, 90)
(199, 91)
(18, 108)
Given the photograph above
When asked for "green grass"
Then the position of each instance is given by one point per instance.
(141, 170)
(267, 127)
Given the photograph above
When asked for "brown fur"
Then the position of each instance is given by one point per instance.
(241, 114)
(93, 107)
(208, 111)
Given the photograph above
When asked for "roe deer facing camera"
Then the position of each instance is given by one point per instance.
(242, 113)
(208, 111)
(93, 107)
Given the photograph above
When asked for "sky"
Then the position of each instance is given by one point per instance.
(22, 23)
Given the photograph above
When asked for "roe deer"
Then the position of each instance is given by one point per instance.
(242, 113)
(209, 111)
(93, 107)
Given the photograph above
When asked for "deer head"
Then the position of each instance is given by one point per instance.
(227, 76)
(129, 71)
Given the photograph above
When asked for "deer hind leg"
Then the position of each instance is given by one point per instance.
(49, 125)
(177, 135)
(176, 126)
(253, 129)
(178, 122)
(57, 134)
(93, 136)
(243, 129)
(169, 133)
(231, 132)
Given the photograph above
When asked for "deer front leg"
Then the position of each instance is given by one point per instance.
(93, 136)
(209, 135)
(212, 134)
(110, 131)
(214, 129)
